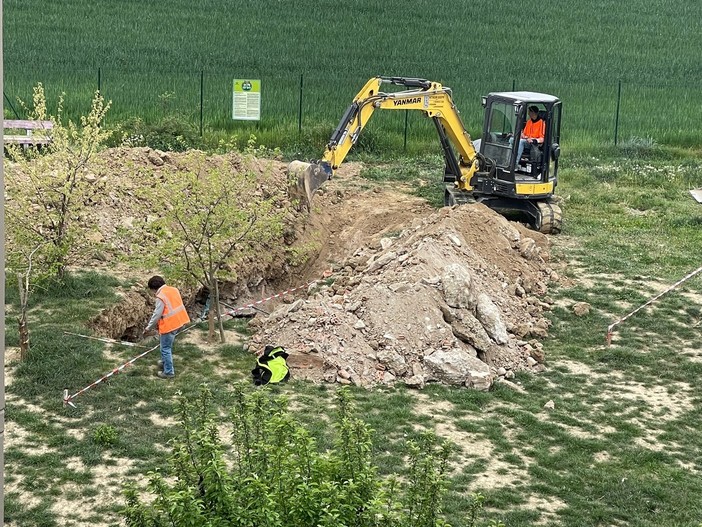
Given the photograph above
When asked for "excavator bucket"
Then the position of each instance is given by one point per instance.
(697, 194)
(304, 179)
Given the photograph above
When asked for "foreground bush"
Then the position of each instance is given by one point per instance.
(272, 473)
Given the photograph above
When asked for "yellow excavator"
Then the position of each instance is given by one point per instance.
(485, 171)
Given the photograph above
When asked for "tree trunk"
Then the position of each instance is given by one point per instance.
(22, 320)
(23, 337)
(222, 338)
(210, 325)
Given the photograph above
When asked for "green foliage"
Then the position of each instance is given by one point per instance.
(273, 474)
(48, 190)
(172, 134)
(423, 175)
(105, 435)
(216, 217)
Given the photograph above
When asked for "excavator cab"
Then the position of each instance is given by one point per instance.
(520, 184)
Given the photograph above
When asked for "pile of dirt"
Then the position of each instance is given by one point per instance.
(453, 297)
(118, 204)
(416, 295)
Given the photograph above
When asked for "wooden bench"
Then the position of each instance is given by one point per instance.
(28, 138)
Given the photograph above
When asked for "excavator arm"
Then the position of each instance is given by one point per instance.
(431, 98)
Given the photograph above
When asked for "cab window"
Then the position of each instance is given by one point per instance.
(500, 128)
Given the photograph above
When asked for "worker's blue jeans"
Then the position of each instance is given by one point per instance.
(167, 351)
(520, 151)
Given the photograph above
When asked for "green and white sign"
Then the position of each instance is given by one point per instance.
(247, 100)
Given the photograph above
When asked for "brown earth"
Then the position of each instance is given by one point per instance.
(384, 315)
(409, 293)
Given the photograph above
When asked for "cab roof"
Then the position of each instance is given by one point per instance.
(526, 96)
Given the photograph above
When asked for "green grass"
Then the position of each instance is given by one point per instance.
(605, 455)
(148, 59)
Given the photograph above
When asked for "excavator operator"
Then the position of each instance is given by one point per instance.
(533, 133)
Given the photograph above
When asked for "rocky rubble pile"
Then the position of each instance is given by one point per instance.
(457, 297)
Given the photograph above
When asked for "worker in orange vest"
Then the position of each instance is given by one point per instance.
(533, 132)
(169, 317)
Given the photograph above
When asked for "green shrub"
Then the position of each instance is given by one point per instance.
(273, 473)
(172, 134)
(105, 435)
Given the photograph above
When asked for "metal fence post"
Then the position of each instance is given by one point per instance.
(10, 104)
(406, 120)
(616, 115)
(299, 113)
(99, 81)
(202, 97)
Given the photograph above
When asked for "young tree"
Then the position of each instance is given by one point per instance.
(214, 219)
(271, 472)
(46, 192)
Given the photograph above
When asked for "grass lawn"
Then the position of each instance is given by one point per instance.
(174, 58)
(620, 446)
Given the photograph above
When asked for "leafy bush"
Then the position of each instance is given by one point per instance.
(273, 474)
(173, 134)
(105, 435)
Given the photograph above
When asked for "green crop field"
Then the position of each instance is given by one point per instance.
(149, 58)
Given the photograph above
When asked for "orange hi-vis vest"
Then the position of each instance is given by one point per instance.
(174, 314)
(535, 130)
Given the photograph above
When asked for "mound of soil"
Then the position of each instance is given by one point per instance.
(421, 296)
(117, 204)
(415, 295)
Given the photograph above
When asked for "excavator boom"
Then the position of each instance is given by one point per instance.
(431, 98)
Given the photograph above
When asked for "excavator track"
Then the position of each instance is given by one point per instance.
(550, 217)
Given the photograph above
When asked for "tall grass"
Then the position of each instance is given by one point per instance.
(576, 50)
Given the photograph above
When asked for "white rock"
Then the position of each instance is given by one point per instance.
(416, 381)
(456, 366)
(388, 377)
(454, 239)
(393, 360)
(382, 261)
(511, 385)
(458, 287)
(295, 306)
(490, 317)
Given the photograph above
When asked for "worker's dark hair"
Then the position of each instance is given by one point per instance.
(156, 282)
(534, 109)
